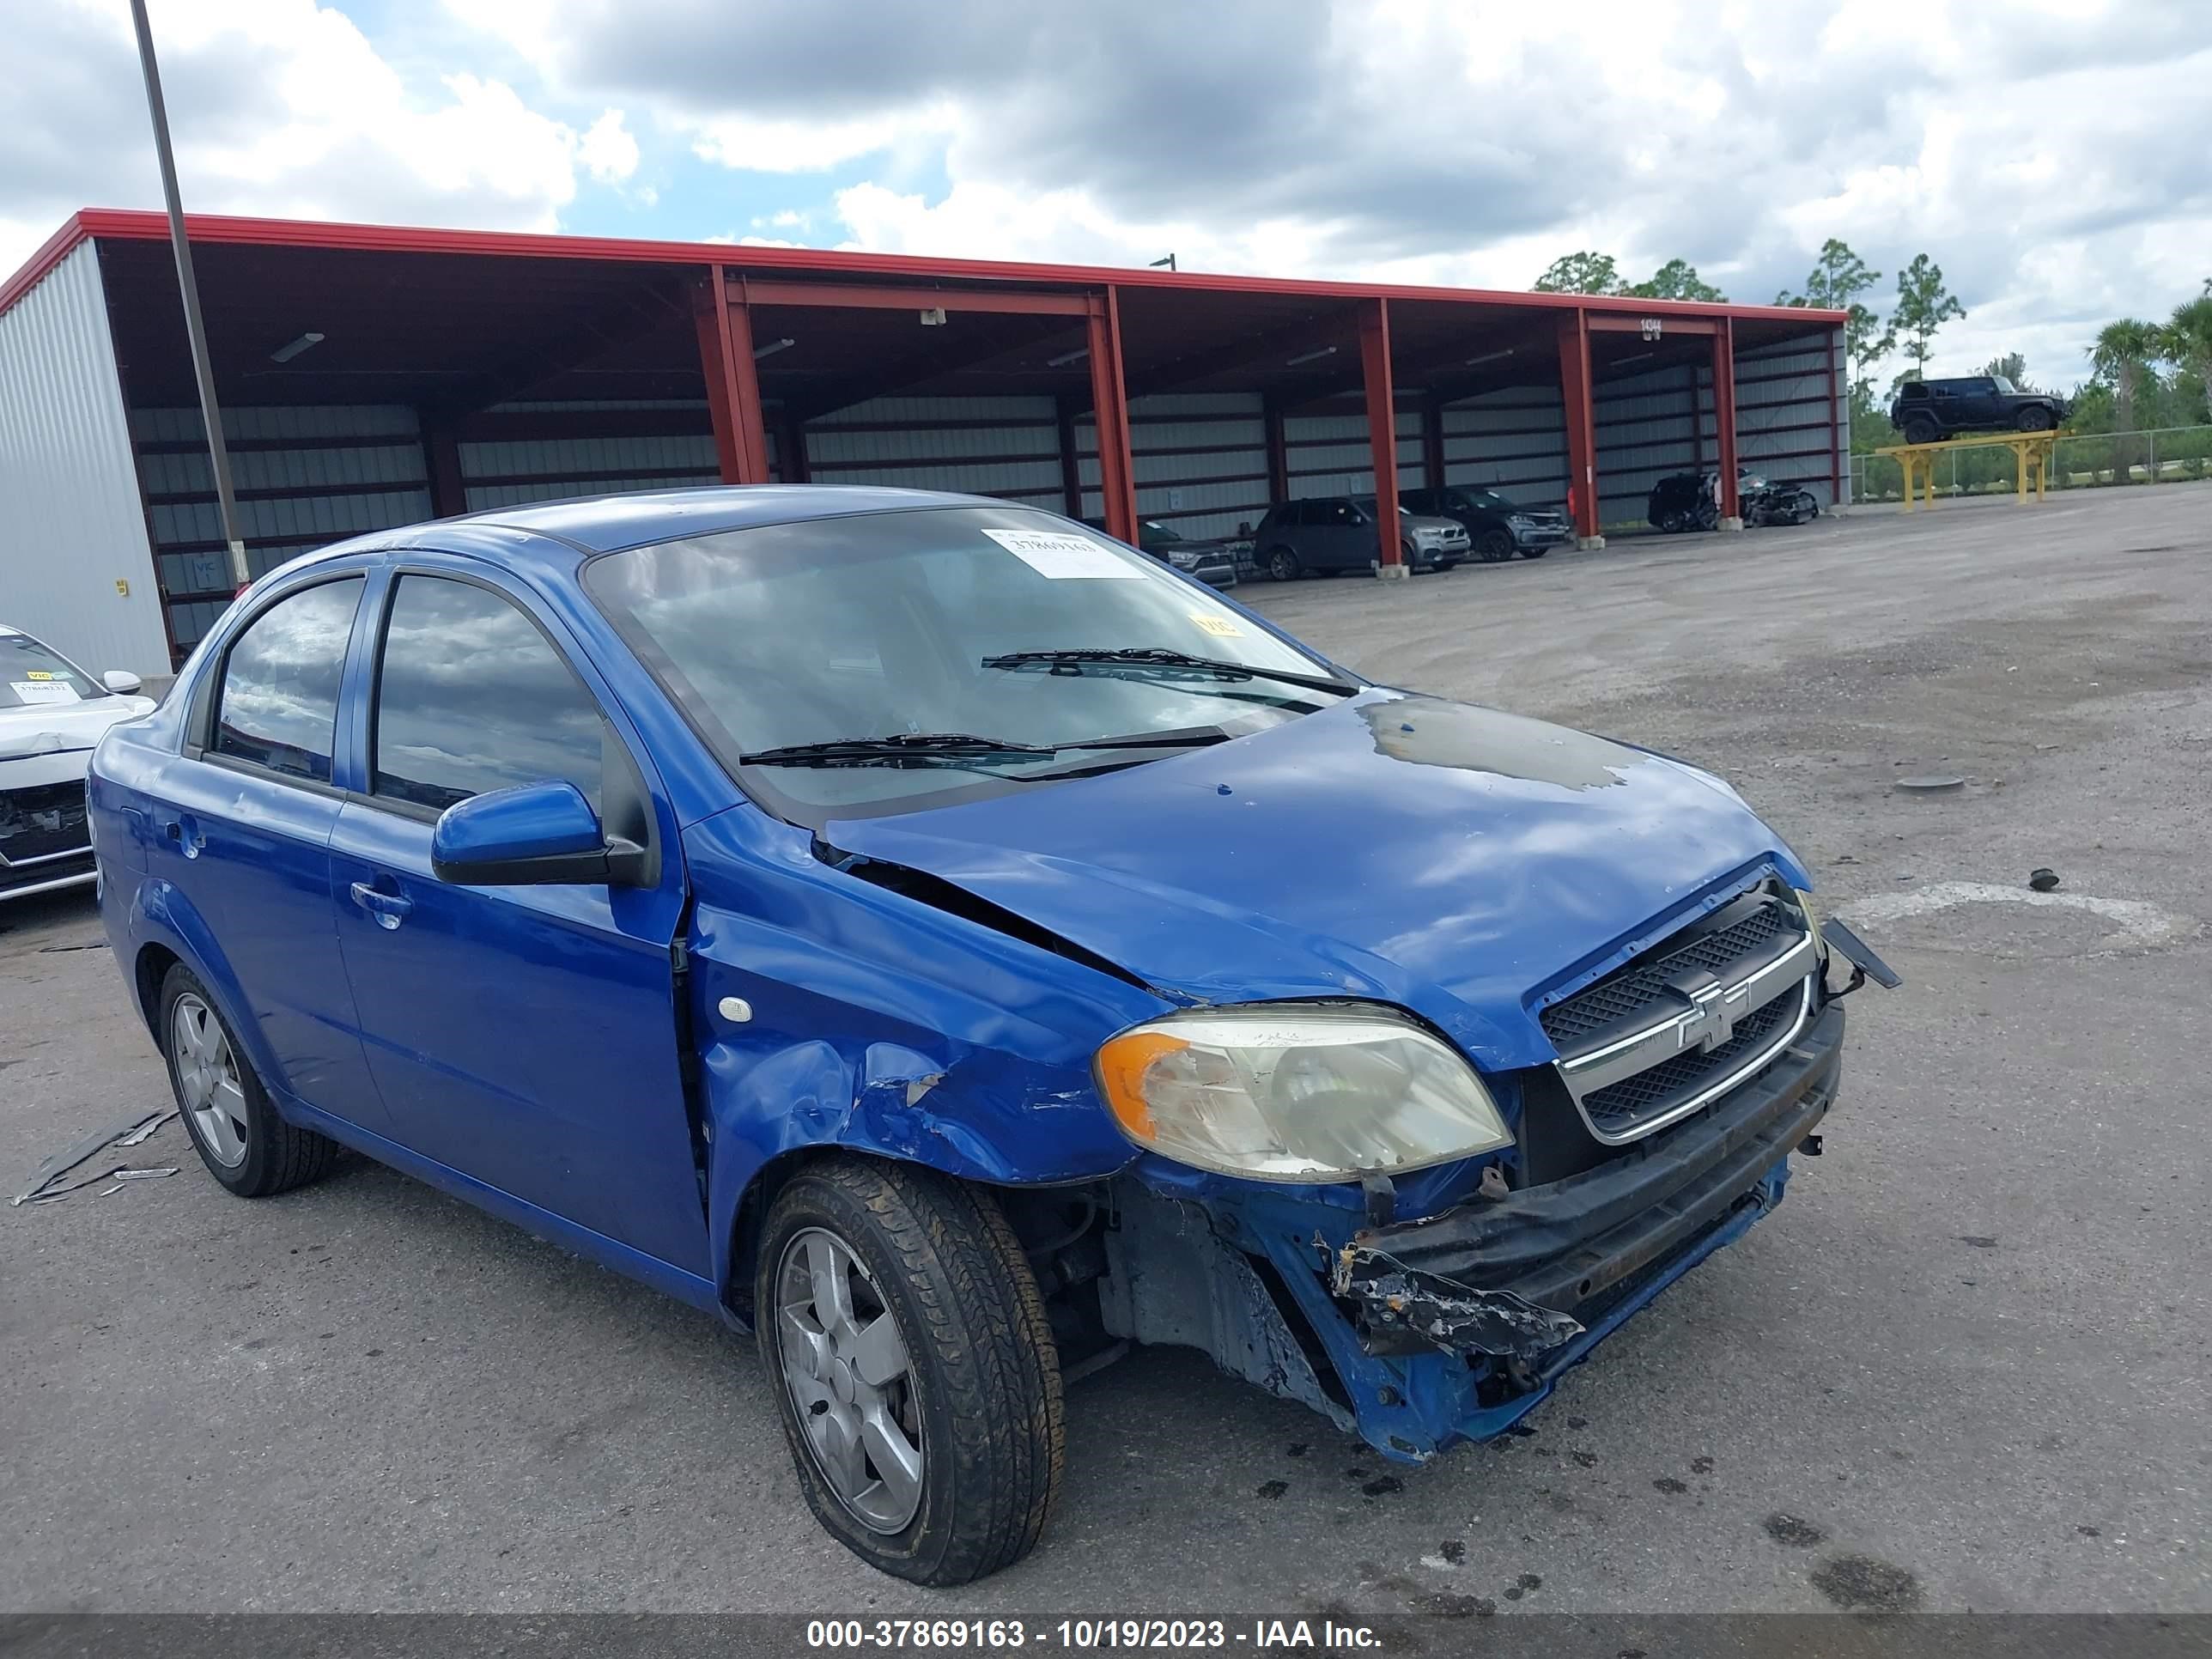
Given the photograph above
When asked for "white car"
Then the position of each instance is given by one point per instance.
(51, 713)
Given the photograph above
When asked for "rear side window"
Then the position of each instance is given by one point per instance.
(470, 697)
(279, 705)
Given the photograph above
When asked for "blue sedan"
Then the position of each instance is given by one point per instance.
(953, 947)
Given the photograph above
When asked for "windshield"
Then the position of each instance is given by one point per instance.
(2003, 385)
(31, 675)
(878, 626)
(1366, 504)
(1488, 501)
(1152, 530)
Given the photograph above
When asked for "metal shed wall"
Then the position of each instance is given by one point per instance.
(1648, 426)
(305, 475)
(70, 527)
(1513, 440)
(1007, 447)
(506, 472)
(1783, 414)
(1199, 460)
(1329, 454)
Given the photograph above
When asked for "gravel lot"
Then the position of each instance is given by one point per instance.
(1963, 1367)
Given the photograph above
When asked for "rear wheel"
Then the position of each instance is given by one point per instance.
(1494, 545)
(920, 1385)
(227, 1113)
(1920, 429)
(1282, 564)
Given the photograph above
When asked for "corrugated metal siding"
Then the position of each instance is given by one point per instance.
(1648, 426)
(510, 471)
(1199, 460)
(1513, 440)
(1330, 455)
(1782, 413)
(306, 477)
(71, 523)
(1004, 446)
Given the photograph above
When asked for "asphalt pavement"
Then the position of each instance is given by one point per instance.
(1963, 1366)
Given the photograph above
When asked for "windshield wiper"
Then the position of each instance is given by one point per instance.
(901, 749)
(1143, 658)
(960, 749)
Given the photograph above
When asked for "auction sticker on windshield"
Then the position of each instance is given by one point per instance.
(44, 690)
(1061, 555)
(1220, 627)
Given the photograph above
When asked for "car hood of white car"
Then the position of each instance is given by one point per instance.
(61, 728)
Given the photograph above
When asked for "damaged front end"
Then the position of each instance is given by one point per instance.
(1420, 1335)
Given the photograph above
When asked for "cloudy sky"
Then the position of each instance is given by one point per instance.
(2050, 154)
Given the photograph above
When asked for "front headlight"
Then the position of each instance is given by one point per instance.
(1297, 1091)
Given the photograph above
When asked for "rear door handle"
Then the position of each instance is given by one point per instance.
(184, 831)
(389, 908)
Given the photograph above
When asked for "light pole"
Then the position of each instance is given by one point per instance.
(203, 372)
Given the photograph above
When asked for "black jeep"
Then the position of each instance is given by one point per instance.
(1927, 411)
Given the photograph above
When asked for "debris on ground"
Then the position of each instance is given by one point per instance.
(46, 1179)
(2044, 880)
(1932, 784)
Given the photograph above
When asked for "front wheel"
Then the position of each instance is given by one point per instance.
(1283, 564)
(2037, 420)
(920, 1385)
(1533, 552)
(1495, 546)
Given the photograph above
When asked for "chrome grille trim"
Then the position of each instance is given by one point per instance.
(1693, 1010)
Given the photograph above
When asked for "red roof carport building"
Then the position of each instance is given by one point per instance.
(446, 371)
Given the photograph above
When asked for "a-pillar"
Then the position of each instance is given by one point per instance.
(734, 400)
(1381, 432)
(1110, 405)
(1724, 420)
(1578, 398)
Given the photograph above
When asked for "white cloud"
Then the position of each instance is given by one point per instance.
(608, 152)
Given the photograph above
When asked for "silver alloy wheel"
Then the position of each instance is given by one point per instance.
(207, 1078)
(850, 1380)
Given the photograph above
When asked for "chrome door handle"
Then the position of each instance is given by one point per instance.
(389, 908)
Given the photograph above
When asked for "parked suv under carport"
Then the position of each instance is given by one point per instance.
(1498, 525)
(1927, 411)
(1328, 533)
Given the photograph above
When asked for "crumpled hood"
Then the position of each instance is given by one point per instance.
(1449, 858)
(60, 727)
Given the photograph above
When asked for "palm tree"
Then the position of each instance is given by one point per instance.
(2123, 355)
(2187, 340)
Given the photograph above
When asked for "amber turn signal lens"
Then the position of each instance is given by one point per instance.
(1122, 1064)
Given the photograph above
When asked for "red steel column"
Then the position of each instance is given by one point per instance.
(1575, 392)
(1724, 420)
(733, 401)
(1381, 430)
(1110, 406)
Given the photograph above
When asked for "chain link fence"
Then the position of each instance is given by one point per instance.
(2170, 455)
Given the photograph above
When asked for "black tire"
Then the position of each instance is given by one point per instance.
(275, 1156)
(983, 1383)
(1670, 522)
(1281, 563)
(1533, 552)
(2036, 419)
(1494, 546)
(1920, 429)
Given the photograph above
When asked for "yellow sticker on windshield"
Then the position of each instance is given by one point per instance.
(38, 674)
(1220, 627)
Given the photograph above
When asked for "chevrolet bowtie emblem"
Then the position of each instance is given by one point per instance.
(1714, 1011)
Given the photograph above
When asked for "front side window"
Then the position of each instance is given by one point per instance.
(279, 702)
(904, 625)
(31, 675)
(470, 697)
